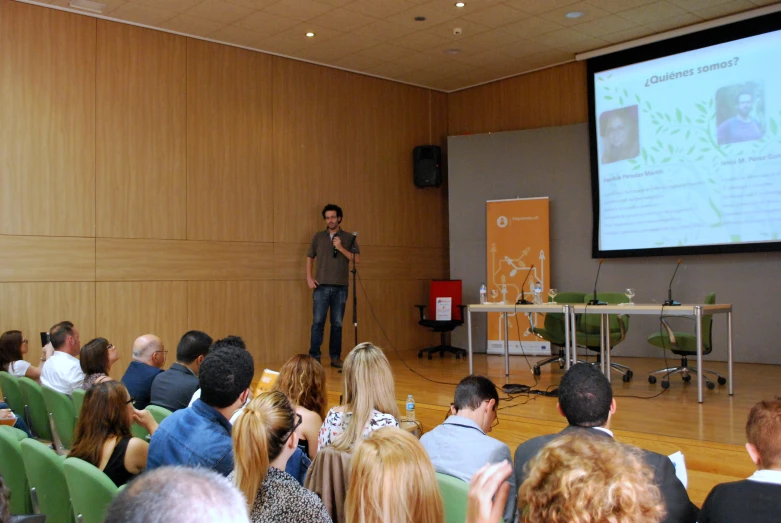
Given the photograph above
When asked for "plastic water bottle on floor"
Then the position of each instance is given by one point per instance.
(483, 293)
(410, 408)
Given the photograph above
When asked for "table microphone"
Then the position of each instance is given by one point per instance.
(595, 301)
(670, 302)
(523, 300)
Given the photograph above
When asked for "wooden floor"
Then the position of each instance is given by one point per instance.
(711, 434)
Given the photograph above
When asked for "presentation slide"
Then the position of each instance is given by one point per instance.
(689, 148)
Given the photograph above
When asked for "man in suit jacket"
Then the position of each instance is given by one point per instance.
(586, 400)
(460, 446)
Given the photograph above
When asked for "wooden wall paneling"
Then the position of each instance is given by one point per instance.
(176, 260)
(46, 258)
(47, 110)
(293, 321)
(243, 308)
(127, 310)
(554, 96)
(403, 263)
(34, 307)
(290, 261)
(141, 133)
(230, 186)
(312, 147)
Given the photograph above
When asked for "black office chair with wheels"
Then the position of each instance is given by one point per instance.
(589, 330)
(553, 331)
(684, 344)
(443, 289)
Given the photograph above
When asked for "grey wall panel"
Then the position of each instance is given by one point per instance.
(554, 162)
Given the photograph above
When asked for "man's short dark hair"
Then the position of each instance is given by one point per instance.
(192, 345)
(585, 396)
(225, 373)
(165, 494)
(474, 390)
(59, 333)
(229, 341)
(332, 207)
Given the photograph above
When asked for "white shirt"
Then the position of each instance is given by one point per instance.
(18, 368)
(62, 373)
(197, 395)
(767, 476)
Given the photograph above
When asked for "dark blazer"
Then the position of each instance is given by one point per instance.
(174, 388)
(679, 508)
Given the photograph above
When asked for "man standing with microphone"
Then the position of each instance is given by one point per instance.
(334, 250)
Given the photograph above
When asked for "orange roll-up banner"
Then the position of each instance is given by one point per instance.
(518, 245)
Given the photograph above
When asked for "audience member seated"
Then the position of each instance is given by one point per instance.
(302, 379)
(586, 400)
(227, 341)
(178, 494)
(96, 360)
(369, 400)
(392, 481)
(200, 436)
(758, 498)
(264, 438)
(460, 446)
(62, 371)
(173, 388)
(5, 494)
(579, 477)
(148, 360)
(13, 347)
(102, 435)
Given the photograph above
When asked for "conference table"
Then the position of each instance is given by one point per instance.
(571, 309)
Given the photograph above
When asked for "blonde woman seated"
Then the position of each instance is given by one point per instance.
(264, 438)
(96, 359)
(302, 379)
(369, 400)
(103, 436)
(392, 480)
(573, 478)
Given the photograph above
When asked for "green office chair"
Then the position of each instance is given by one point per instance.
(36, 405)
(91, 490)
(588, 328)
(454, 495)
(12, 394)
(48, 488)
(684, 344)
(62, 417)
(78, 400)
(12, 469)
(553, 330)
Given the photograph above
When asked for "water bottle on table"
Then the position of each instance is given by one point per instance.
(483, 294)
(410, 408)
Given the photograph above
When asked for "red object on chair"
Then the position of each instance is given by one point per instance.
(443, 289)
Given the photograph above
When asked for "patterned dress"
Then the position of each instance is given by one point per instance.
(335, 423)
(90, 380)
(281, 499)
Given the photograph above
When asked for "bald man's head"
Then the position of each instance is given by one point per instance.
(149, 349)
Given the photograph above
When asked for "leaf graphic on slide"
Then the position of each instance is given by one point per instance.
(600, 79)
(637, 98)
(620, 100)
(688, 120)
(715, 209)
(667, 117)
(702, 108)
(670, 148)
(688, 133)
(647, 104)
(700, 158)
(654, 121)
(773, 126)
(608, 97)
(734, 238)
(678, 115)
(625, 93)
(659, 143)
(691, 150)
(666, 160)
(700, 120)
(711, 180)
(645, 155)
(675, 132)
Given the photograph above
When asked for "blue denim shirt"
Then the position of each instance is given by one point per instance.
(197, 436)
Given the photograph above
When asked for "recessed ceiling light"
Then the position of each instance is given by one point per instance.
(310, 34)
(574, 14)
(420, 18)
(460, 4)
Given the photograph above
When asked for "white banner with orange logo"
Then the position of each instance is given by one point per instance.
(518, 247)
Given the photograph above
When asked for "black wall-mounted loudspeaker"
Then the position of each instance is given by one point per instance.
(427, 165)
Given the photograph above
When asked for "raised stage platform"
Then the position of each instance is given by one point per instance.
(711, 434)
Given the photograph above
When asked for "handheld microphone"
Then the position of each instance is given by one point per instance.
(595, 301)
(335, 252)
(523, 300)
(670, 302)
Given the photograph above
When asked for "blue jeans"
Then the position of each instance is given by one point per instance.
(20, 424)
(325, 296)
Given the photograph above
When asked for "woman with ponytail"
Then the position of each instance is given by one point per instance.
(264, 438)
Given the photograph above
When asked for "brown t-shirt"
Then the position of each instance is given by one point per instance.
(330, 270)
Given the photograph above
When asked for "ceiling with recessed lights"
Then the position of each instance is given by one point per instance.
(451, 48)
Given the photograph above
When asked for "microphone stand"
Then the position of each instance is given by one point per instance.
(355, 295)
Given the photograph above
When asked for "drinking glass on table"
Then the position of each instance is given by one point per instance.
(630, 293)
(552, 295)
(494, 294)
